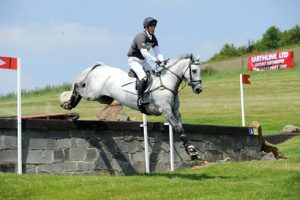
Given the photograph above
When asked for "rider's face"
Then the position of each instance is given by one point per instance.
(151, 29)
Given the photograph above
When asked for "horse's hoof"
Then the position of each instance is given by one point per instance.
(73, 116)
(194, 157)
(66, 106)
(192, 151)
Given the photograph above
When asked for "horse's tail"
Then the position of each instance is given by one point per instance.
(65, 97)
(80, 80)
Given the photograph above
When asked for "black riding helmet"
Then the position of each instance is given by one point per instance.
(149, 21)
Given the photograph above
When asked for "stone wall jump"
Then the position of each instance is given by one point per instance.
(99, 147)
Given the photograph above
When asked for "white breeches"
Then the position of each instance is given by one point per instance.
(139, 66)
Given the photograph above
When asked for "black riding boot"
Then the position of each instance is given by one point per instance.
(140, 90)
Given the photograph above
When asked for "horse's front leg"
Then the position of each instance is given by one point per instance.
(190, 149)
(175, 123)
(177, 127)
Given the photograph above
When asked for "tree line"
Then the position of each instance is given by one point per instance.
(273, 38)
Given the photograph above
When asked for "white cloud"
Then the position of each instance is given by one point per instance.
(48, 37)
(61, 46)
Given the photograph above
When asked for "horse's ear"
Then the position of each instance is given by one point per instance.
(197, 59)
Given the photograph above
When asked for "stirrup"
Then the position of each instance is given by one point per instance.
(142, 101)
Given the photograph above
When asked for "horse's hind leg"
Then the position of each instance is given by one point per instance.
(74, 99)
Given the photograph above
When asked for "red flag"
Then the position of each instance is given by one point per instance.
(8, 63)
(245, 79)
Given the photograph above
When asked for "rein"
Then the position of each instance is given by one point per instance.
(177, 76)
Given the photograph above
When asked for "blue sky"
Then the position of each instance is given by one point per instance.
(57, 39)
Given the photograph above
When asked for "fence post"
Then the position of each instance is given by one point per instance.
(146, 145)
(171, 146)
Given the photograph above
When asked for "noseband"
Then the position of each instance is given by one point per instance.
(191, 82)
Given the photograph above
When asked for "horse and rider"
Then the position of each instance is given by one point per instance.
(104, 83)
(139, 57)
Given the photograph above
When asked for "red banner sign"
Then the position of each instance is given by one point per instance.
(271, 61)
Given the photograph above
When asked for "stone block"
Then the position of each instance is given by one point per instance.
(8, 141)
(79, 143)
(39, 156)
(86, 166)
(139, 167)
(50, 144)
(213, 155)
(199, 145)
(77, 154)
(70, 166)
(250, 154)
(58, 156)
(108, 145)
(132, 146)
(165, 146)
(102, 163)
(36, 143)
(8, 167)
(163, 157)
(91, 154)
(63, 143)
(129, 138)
(51, 168)
(8, 156)
(121, 146)
(122, 157)
(233, 154)
(160, 166)
(31, 169)
(138, 157)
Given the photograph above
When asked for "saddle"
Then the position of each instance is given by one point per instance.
(149, 74)
(146, 93)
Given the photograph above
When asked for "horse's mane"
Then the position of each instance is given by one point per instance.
(179, 58)
(185, 56)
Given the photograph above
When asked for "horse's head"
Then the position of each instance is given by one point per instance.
(192, 74)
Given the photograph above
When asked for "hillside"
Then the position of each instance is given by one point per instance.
(241, 62)
(272, 99)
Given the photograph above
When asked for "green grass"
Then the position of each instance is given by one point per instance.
(272, 99)
(278, 179)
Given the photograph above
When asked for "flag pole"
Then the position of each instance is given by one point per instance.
(19, 117)
(242, 100)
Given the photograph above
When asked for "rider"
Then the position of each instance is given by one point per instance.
(139, 56)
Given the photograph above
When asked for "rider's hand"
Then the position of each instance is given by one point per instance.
(158, 62)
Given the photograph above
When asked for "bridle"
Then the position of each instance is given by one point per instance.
(191, 82)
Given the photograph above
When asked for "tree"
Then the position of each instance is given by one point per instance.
(228, 50)
(291, 36)
(271, 38)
